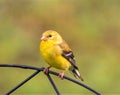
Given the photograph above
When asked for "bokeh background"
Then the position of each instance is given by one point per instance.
(91, 27)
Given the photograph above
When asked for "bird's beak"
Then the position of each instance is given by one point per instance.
(44, 38)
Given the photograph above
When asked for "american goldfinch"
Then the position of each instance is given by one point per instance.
(56, 52)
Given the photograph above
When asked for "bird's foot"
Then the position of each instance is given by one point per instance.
(46, 70)
(61, 75)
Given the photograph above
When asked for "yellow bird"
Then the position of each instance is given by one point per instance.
(56, 52)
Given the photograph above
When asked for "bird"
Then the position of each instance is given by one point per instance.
(56, 52)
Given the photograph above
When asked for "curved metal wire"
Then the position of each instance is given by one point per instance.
(53, 84)
(48, 76)
(23, 82)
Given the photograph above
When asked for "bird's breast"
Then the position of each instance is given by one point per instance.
(52, 54)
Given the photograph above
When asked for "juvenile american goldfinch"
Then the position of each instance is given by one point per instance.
(56, 52)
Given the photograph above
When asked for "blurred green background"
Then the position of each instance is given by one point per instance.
(91, 27)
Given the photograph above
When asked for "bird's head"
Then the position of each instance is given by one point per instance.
(51, 35)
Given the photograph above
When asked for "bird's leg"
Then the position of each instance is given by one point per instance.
(61, 75)
(46, 70)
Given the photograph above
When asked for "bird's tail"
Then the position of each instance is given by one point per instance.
(76, 73)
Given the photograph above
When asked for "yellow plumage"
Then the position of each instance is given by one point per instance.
(57, 53)
(52, 55)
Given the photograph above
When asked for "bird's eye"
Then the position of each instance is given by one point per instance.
(49, 36)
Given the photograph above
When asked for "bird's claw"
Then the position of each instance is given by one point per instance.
(61, 75)
(46, 70)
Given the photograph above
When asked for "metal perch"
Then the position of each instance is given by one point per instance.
(38, 70)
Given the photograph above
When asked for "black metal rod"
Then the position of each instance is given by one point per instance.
(77, 82)
(21, 66)
(23, 82)
(51, 72)
(83, 85)
(53, 84)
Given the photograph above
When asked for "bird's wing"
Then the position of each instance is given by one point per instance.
(68, 54)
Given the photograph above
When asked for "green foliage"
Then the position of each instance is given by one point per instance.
(91, 27)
